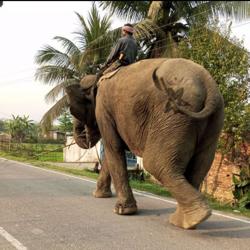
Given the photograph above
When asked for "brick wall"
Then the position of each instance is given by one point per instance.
(218, 181)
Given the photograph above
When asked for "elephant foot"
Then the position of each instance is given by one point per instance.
(102, 194)
(125, 209)
(190, 221)
(177, 217)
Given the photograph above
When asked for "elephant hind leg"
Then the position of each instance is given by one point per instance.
(197, 170)
(199, 166)
(192, 208)
(195, 173)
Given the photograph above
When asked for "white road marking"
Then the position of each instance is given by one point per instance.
(14, 242)
(141, 193)
(148, 195)
(50, 171)
(230, 217)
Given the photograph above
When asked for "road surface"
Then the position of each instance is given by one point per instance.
(42, 209)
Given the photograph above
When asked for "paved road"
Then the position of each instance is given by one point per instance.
(42, 209)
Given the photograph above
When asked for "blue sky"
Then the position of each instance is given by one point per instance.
(24, 28)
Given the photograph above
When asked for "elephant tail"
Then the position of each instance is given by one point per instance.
(212, 103)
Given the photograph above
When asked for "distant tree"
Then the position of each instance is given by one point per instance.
(20, 128)
(2, 126)
(65, 122)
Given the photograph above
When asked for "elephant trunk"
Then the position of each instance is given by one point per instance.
(85, 137)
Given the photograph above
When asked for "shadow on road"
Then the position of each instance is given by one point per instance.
(214, 224)
(210, 228)
(155, 212)
(227, 229)
(242, 233)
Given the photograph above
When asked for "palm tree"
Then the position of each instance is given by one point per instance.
(61, 68)
(20, 127)
(160, 25)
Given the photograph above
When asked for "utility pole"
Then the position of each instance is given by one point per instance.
(1, 3)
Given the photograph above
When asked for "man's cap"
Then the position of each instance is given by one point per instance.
(128, 29)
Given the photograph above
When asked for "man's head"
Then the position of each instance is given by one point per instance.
(127, 29)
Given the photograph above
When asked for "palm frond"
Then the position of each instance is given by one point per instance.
(129, 10)
(71, 49)
(84, 34)
(194, 11)
(54, 112)
(48, 54)
(236, 10)
(59, 90)
(95, 27)
(50, 74)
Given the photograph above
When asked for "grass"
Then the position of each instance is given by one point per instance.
(40, 152)
(149, 187)
(52, 156)
(138, 185)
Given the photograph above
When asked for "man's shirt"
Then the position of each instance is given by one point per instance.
(126, 45)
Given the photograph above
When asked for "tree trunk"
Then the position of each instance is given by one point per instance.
(154, 10)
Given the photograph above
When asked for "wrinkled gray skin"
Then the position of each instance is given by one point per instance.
(168, 111)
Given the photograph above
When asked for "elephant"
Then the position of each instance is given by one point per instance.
(168, 111)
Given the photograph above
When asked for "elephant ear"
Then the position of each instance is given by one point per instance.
(76, 94)
(71, 89)
(88, 81)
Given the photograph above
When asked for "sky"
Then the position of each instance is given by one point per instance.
(24, 28)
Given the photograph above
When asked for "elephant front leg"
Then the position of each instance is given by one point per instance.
(126, 203)
(103, 189)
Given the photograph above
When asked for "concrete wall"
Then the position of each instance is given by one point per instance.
(74, 153)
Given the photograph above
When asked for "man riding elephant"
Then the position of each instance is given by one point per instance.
(123, 53)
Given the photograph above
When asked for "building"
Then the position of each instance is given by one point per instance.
(73, 153)
(54, 135)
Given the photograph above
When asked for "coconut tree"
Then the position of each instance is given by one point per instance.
(65, 66)
(160, 25)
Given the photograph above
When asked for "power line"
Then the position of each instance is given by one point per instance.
(104, 47)
(4, 83)
(159, 27)
(141, 37)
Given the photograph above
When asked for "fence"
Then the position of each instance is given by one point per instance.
(35, 151)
